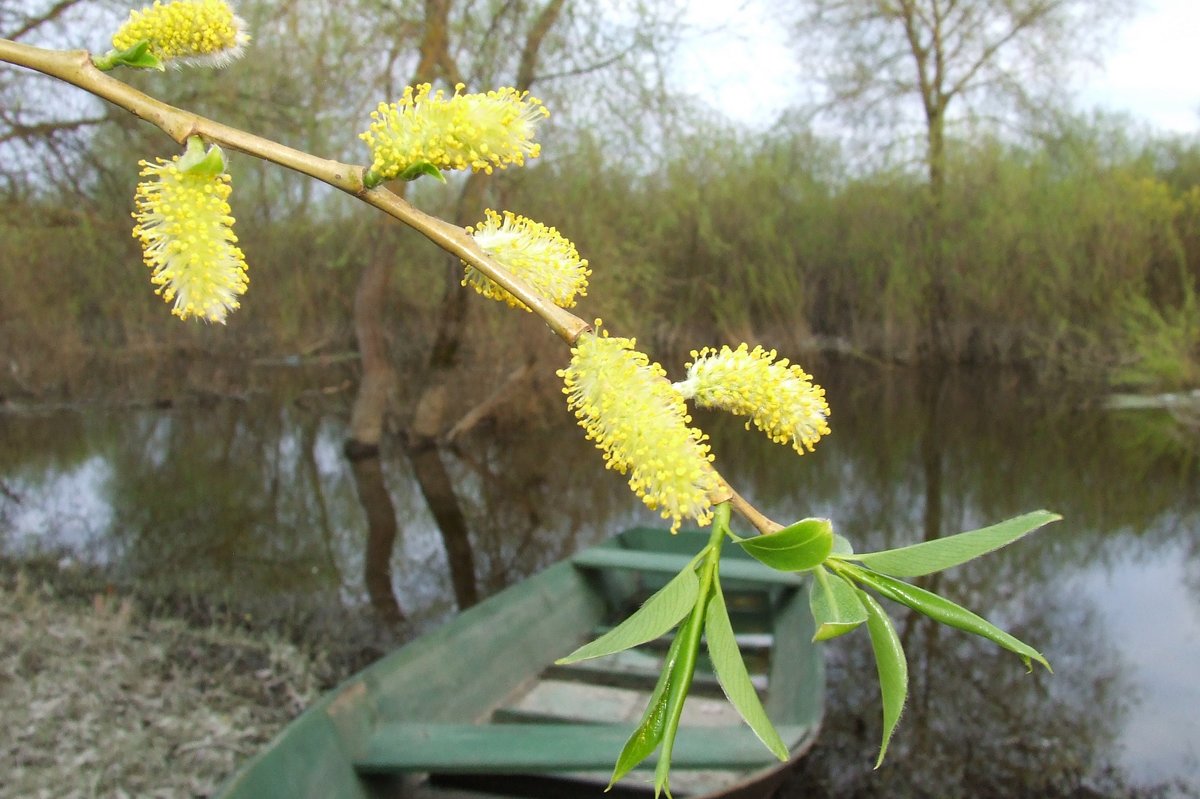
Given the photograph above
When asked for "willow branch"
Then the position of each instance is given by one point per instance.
(752, 514)
(75, 67)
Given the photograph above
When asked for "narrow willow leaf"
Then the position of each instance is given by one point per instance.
(662, 778)
(798, 547)
(681, 682)
(842, 546)
(943, 610)
(659, 614)
(891, 665)
(933, 556)
(735, 680)
(649, 732)
(421, 169)
(835, 605)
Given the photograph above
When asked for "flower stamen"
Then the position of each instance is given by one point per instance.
(538, 254)
(193, 32)
(641, 424)
(780, 399)
(185, 226)
(480, 132)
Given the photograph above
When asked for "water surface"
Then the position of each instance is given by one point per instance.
(253, 501)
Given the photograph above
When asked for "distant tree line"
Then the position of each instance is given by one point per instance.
(1072, 246)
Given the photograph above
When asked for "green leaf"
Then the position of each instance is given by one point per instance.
(891, 666)
(735, 680)
(198, 161)
(420, 169)
(659, 614)
(946, 612)
(842, 546)
(798, 547)
(138, 57)
(835, 605)
(648, 735)
(690, 632)
(933, 556)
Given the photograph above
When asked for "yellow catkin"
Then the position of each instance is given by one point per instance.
(195, 32)
(641, 424)
(780, 398)
(532, 251)
(480, 132)
(186, 231)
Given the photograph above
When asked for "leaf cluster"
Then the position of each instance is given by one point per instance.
(842, 598)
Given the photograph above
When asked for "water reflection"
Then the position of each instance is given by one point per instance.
(367, 469)
(977, 725)
(256, 499)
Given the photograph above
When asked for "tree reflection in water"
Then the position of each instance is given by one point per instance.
(381, 534)
(254, 502)
(929, 459)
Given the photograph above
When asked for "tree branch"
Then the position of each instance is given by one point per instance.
(1020, 24)
(46, 129)
(588, 68)
(533, 43)
(484, 409)
(75, 67)
(55, 11)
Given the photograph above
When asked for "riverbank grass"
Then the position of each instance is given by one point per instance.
(99, 700)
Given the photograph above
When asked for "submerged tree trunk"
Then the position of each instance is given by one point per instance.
(378, 382)
(438, 490)
(376, 391)
(431, 418)
(381, 535)
(377, 388)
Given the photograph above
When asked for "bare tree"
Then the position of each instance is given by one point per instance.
(39, 140)
(930, 62)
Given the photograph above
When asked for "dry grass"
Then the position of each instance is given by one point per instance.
(97, 701)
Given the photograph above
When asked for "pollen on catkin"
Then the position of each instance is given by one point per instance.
(538, 254)
(186, 231)
(780, 398)
(193, 32)
(464, 131)
(631, 412)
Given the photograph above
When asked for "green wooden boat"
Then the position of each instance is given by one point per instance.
(477, 708)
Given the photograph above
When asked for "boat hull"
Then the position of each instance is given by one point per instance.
(478, 702)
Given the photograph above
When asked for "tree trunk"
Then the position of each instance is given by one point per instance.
(376, 390)
(438, 490)
(381, 536)
(378, 377)
(378, 381)
(937, 303)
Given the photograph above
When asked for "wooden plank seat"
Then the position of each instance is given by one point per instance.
(543, 748)
(732, 569)
(703, 684)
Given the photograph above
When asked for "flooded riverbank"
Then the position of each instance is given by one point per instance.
(252, 503)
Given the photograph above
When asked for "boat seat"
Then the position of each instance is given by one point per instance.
(542, 748)
(638, 671)
(739, 569)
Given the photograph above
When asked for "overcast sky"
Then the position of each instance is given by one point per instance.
(744, 65)
(1154, 72)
